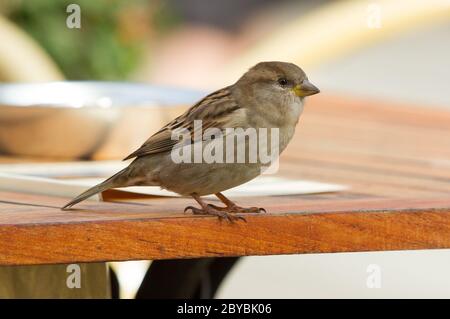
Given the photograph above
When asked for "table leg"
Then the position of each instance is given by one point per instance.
(185, 278)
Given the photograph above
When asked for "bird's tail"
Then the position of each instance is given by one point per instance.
(117, 180)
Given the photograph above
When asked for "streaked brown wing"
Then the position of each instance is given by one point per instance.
(216, 105)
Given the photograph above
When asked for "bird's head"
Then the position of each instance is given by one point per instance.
(279, 78)
(277, 87)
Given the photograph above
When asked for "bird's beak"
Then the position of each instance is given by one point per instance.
(305, 89)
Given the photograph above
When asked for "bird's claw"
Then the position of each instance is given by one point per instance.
(239, 210)
(189, 208)
(215, 211)
(257, 210)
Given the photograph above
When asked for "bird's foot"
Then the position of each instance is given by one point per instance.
(235, 209)
(220, 212)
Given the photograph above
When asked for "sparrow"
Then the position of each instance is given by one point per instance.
(270, 95)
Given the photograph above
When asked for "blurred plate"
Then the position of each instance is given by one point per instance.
(85, 119)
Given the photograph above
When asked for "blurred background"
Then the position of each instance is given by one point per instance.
(395, 50)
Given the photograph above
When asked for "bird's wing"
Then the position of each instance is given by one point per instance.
(218, 109)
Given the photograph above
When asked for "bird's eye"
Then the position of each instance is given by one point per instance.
(282, 81)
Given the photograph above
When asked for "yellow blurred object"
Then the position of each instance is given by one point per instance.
(338, 28)
(22, 59)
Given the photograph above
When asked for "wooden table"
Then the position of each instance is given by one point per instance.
(394, 158)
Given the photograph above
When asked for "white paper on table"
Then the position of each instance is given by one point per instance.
(260, 186)
(41, 179)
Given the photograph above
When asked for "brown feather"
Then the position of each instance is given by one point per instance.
(212, 107)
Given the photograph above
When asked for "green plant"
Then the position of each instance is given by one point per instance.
(108, 46)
